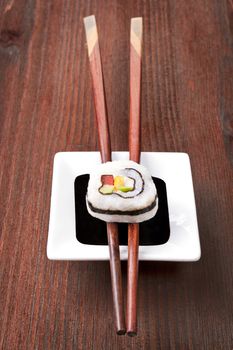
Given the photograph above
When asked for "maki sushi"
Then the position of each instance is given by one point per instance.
(121, 191)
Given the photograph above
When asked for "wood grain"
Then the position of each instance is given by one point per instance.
(46, 106)
(105, 152)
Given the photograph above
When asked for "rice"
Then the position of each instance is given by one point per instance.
(138, 204)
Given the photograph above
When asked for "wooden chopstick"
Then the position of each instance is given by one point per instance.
(134, 151)
(105, 150)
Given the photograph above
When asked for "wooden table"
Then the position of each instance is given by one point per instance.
(46, 106)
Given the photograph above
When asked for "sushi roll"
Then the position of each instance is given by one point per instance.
(121, 191)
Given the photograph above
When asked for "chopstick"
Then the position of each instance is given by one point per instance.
(105, 150)
(134, 151)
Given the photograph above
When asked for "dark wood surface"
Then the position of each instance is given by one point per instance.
(47, 106)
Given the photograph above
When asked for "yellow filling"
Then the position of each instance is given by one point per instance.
(118, 182)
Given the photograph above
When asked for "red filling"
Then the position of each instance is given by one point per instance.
(107, 180)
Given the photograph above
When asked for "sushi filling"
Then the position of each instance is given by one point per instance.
(127, 184)
(120, 212)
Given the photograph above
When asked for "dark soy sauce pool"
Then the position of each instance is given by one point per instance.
(90, 230)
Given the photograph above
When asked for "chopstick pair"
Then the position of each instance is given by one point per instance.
(105, 150)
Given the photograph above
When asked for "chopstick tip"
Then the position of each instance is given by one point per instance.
(89, 21)
(131, 334)
(136, 34)
(91, 33)
(136, 26)
(136, 20)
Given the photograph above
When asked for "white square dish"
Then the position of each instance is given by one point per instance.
(173, 168)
